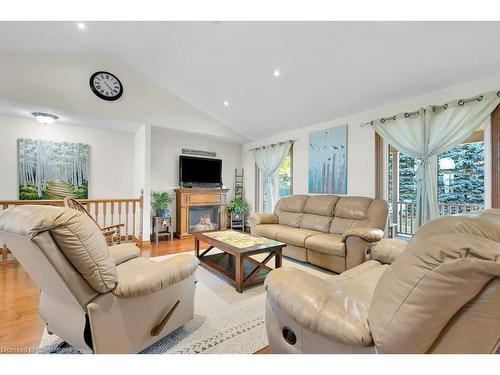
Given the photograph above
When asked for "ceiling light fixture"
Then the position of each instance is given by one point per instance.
(81, 25)
(45, 118)
(226, 103)
(276, 73)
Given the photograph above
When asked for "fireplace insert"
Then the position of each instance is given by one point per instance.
(204, 218)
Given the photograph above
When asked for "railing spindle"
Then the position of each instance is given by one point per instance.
(104, 212)
(400, 208)
(411, 218)
(120, 216)
(126, 221)
(133, 221)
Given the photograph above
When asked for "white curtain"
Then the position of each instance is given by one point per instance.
(426, 133)
(268, 160)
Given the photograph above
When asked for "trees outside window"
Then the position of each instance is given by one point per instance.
(461, 179)
(285, 177)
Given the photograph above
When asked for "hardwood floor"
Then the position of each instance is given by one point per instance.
(21, 327)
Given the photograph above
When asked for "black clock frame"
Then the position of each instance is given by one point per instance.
(98, 94)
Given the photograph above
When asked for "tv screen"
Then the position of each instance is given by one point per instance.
(195, 171)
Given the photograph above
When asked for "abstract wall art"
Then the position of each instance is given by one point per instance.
(328, 161)
(52, 170)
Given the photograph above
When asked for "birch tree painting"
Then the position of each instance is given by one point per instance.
(52, 170)
(328, 161)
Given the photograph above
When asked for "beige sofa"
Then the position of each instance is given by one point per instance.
(329, 231)
(440, 294)
(98, 299)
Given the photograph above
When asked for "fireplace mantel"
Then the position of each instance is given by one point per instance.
(186, 198)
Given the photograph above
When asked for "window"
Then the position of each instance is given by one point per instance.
(282, 183)
(460, 181)
(402, 190)
(461, 176)
(285, 177)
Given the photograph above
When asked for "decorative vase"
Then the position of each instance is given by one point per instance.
(163, 213)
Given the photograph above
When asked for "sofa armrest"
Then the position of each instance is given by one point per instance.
(123, 252)
(365, 233)
(319, 306)
(387, 250)
(261, 218)
(142, 276)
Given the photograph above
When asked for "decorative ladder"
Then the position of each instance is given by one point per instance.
(237, 220)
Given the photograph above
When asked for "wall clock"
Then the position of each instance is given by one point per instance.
(106, 86)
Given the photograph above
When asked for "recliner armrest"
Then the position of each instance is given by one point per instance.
(123, 252)
(365, 233)
(319, 306)
(387, 250)
(142, 276)
(261, 218)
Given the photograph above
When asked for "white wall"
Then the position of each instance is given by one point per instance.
(142, 173)
(167, 145)
(361, 147)
(111, 155)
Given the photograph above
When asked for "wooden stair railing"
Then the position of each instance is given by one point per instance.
(107, 212)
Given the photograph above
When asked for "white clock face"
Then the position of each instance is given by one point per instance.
(106, 86)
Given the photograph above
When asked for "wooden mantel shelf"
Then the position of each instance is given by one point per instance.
(188, 197)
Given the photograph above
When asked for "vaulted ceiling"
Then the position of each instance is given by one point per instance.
(327, 69)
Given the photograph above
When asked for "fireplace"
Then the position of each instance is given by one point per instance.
(204, 218)
(194, 204)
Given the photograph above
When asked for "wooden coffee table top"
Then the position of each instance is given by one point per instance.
(238, 242)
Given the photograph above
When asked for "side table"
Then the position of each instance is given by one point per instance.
(162, 226)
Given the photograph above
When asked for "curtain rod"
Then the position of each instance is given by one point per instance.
(273, 144)
(461, 102)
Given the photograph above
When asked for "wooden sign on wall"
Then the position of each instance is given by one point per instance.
(188, 151)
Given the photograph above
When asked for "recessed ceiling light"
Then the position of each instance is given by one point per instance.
(276, 73)
(80, 25)
(226, 103)
(44, 118)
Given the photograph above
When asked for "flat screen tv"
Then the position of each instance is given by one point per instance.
(200, 172)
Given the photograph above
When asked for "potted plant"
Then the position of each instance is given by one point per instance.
(238, 206)
(160, 202)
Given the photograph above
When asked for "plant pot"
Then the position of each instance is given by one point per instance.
(163, 213)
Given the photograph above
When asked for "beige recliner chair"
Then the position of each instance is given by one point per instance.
(97, 299)
(441, 295)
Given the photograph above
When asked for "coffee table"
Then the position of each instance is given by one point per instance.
(234, 262)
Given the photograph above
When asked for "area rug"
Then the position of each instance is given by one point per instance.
(225, 321)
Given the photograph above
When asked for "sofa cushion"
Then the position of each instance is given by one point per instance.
(377, 213)
(295, 236)
(321, 204)
(355, 208)
(293, 203)
(269, 230)
(326, 243)
(350, 212)
(123, 252)
(340, 225)
(142, 276)
(369, 269)
(291, 219)
(316, 222)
